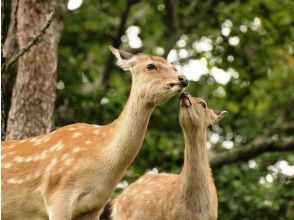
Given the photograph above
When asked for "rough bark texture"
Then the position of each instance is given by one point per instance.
(2, 60)
(9, 45)
(8, 9)
(34, 91)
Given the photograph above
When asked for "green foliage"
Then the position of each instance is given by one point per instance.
(259, 95)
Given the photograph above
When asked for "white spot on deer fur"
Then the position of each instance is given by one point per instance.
(88, 142)
(33, 158)
(2, 157)
(29, 177)
(51, 164)
(76, 135)
(39, 140)
(65, 156)
(6, 165)
(68, 161)
(97, 126)
(35, 139)
(142, 180)
(11, 146)
(18, 159)
(28, 159)
(43, 155)
(56, 147)
(46, 139)
(36, 174)
(72, 129)
(33, 176)
(81, 126)
(14, 181)
(76, 150)
(97, 131)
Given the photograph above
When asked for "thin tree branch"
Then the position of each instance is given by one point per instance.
(253, 149)
(173, 25)
(177, 27)
(9, 45)
(3, 5)
(37, 39)
(116, 42)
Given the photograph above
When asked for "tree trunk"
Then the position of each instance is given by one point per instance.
(8, 43)
(34, 92)
(2, 60)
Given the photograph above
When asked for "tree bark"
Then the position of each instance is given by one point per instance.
(8, 45)
(2, 60)
(34, 91)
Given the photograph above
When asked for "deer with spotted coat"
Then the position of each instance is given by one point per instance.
(190, 195)
(72, 172)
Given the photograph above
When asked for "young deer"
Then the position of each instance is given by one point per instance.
(191, 195)
(72, 172)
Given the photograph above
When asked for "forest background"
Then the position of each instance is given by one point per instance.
(238, 55)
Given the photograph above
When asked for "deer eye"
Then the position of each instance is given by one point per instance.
(150, 66)
(203, 104)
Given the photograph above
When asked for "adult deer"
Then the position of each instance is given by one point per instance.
(191, 195)
(72, 172)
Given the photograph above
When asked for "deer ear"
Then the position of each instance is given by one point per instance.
(217, 116)
(123, 58)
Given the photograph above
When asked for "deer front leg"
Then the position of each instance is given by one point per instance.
(60, 207)
(59, 212)
(94, 215)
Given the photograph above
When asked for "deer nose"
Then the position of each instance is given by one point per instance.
(183, 81)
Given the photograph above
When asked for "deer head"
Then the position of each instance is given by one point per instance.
(195, 113)
(154, 79)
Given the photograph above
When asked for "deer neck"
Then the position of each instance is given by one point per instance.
(129, 132)
(196, 173)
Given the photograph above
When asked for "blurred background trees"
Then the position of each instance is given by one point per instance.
(239, 56)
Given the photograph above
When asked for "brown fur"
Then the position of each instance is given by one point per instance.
(190, 195)
(72, 172)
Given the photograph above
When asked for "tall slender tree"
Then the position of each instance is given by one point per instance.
(33, 95)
